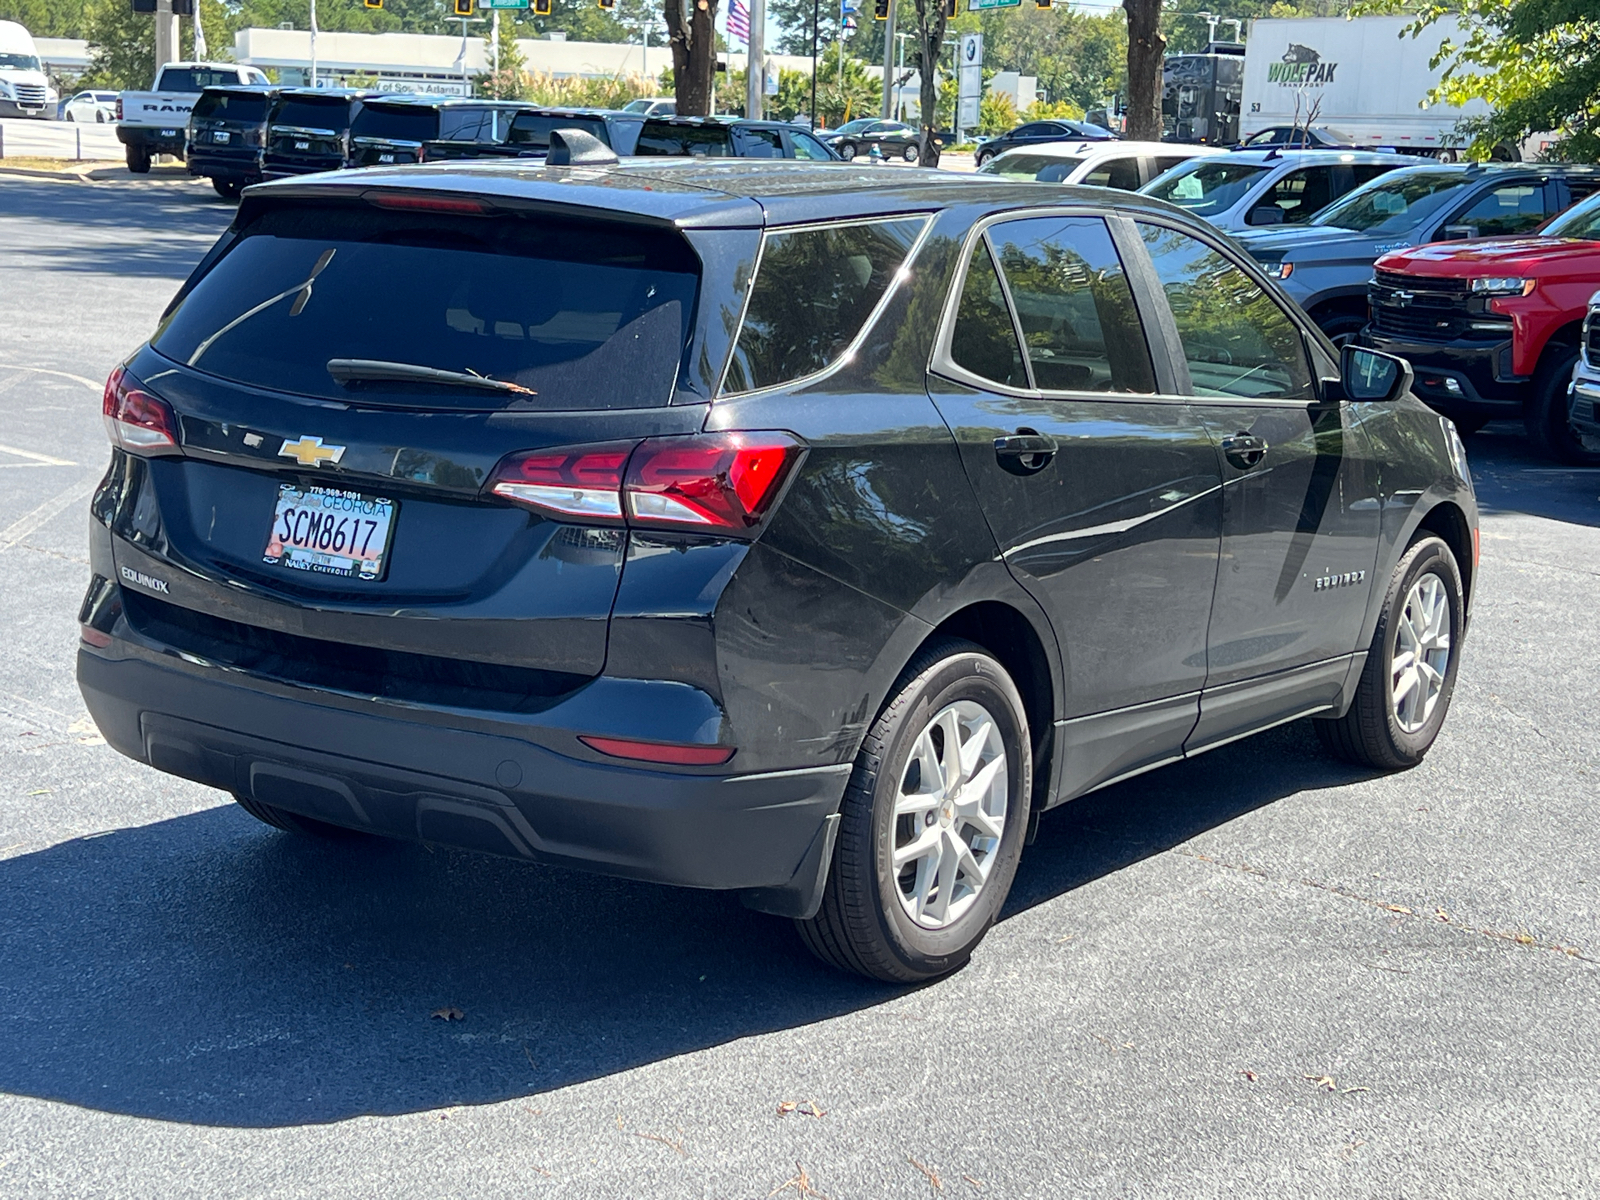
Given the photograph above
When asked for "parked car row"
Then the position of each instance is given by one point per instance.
(241, 135)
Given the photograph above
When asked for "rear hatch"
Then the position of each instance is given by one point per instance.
(575, 326)
(307, 133)
(229, 127)
(391, 133)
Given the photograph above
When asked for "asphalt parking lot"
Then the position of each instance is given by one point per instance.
(1257, 973)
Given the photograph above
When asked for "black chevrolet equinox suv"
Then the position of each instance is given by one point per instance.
(800, 530)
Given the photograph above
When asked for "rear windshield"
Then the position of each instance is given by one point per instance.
(1394, 203)
(1210, 188)
(661, 138)
(231, 106)
(193, 79)
(304, 113)
(396, 122)
(533, 129)
(585, 317)
(814, 290)
(1043, 167)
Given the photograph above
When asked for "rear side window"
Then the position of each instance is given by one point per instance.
(577, 315)
(466, 124)
(312, 114)
(1120, 173)
(533, 129)
(231, 106)
(1299, 194)
(396, 122)
(661, 138)
(1074, 304)
(1236, 340)
(813, 292)
(984, 340)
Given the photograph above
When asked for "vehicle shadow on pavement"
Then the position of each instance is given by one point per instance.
(209, 970)
(1510, 476)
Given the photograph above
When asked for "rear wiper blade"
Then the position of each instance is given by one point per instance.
(346, 371)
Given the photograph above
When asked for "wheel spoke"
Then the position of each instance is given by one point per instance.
(972, 748)
(950, 763)
(925, 843)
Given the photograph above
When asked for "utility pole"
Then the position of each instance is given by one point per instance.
(166, 34)
(313, 42)
(755, 69)
(494, 40)
(890, 86)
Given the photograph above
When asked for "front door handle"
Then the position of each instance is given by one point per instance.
(1025, 452)
(1244, 450)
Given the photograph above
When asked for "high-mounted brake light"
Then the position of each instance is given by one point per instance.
(676, 753)
(711, 482)
(135, 420)
(427, 202)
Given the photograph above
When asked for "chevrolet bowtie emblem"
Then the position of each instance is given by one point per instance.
(310, 452)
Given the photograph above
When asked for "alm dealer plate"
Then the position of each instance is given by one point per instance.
(330, 532)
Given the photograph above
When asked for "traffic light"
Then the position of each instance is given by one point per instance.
(950, 8)
(373, 3)
(880, 10)
(608, 5)
(1042, 3)
(541, 8)
(464, 8)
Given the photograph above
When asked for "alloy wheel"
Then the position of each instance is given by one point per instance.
(949, 815)
(1421, 653)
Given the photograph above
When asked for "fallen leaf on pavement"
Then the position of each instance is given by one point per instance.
(1399, 908)
(787, 1107)
(1249, 1075)
(938, 1186)
(1325, 1082)
(800, 1185)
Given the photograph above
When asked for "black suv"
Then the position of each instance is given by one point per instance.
(665, 136)
(228, 135)
(799, 530)
(413, 129)
(308, 130)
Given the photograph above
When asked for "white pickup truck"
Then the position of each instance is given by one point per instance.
(157, 121)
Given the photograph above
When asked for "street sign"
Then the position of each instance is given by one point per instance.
(969, 80)
(976, 5)
(504, 3)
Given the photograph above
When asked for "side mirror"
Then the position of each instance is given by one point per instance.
(1457, 233)
(1266, 214)
(1371, 375)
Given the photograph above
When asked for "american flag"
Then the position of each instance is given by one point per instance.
(739, 21)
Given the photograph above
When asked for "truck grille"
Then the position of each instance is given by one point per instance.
(1427, 308)
(1591, 338)
(29, 94)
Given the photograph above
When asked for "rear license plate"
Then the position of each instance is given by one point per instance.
(330, 532)
(220, 135)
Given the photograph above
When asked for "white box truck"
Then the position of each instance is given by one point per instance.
(24, 90)
(1371, 83)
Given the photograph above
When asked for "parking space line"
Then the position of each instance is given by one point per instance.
(36, 460)
(59, 503)
(88, 383)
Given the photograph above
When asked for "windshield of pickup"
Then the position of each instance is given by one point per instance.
(577, 314)
(1395, 203)
(1208, 188)
(1581, 222)
(19, 62)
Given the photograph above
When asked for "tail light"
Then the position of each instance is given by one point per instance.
(119, 108)
(722, 483)
(676, 753)
(137, 421)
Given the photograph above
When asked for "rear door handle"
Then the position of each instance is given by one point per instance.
(1244, 450)
(1024, 452)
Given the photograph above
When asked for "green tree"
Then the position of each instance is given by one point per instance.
(1536, 63)
(507, 83)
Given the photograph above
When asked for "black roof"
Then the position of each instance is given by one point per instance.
(710, 192)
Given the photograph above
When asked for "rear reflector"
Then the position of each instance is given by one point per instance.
(427, 202)
(659, 752)
(714, 482)
(135, 420)
(93, 636)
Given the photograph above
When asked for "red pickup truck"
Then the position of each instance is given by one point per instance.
(1493, 327)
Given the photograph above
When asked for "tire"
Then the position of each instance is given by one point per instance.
(138, 160)
(847, 150)
(980, 158)
(1545, 415)
(72, 118)
(282, 818)
(1342, 328)
(1374, 733)
(911, 153)
(867, 924)
(1447, 156)
(228, 189)
(99, 117)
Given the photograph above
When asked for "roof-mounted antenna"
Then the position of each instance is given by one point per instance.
(575, 148)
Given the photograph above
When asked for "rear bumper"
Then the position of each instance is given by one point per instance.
(1459, 378)
(367, 766)
(154, 139)
(278, 169)
(237, 164)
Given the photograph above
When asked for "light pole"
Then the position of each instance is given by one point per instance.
(313, 43)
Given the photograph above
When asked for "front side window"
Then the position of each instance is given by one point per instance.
(808, 148)
(1514, 208)
(814, 290)
(1079, 325)
(984, 339)
(1300, 193)
(1396, 203)
(1237, 341)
